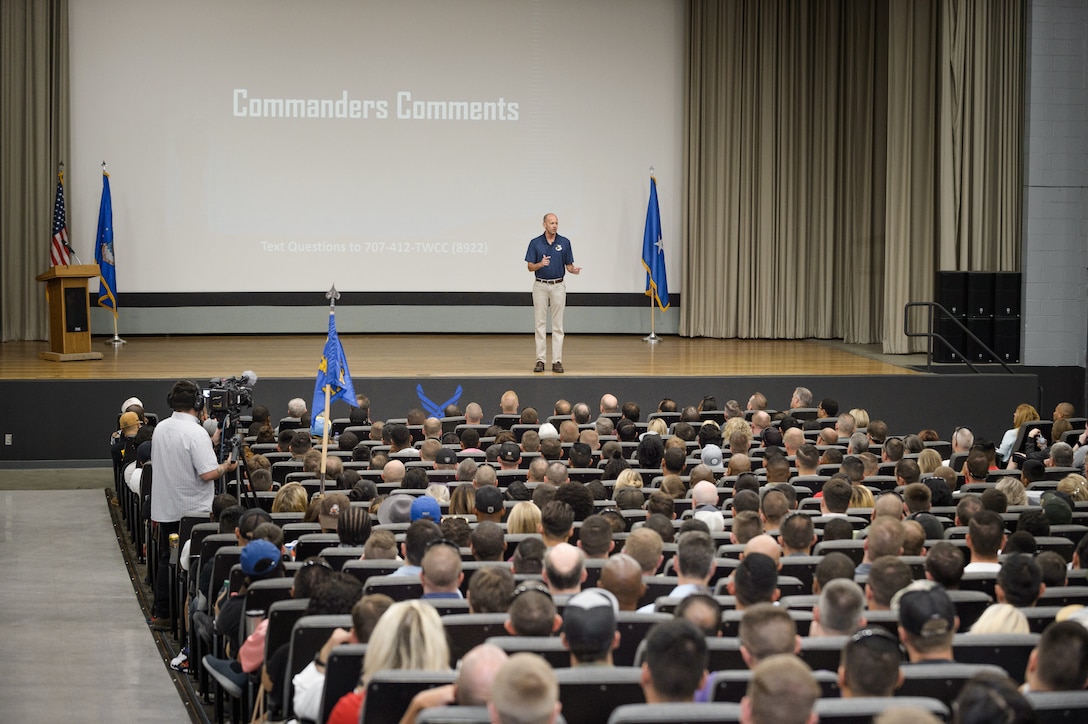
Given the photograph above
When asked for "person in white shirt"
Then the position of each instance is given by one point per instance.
(985, 539)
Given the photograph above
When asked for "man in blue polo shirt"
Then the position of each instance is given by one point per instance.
(549, 257)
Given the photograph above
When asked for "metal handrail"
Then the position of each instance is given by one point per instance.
(930, 335)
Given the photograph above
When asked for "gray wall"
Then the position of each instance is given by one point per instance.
(1056, 187)
(378, 319)
(79, 415)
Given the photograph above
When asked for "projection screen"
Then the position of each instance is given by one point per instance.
(278, 146)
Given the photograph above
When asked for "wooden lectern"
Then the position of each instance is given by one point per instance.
(69, 312)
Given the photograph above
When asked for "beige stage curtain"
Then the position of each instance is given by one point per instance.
(839, 152)
(780, 140)
(34, 136)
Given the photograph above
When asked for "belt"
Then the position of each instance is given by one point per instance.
(551, 281)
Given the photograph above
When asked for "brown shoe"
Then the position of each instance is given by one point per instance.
(557, 367)
(160, 624)
(539, 366)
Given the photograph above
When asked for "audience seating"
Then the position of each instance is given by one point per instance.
(311, 544)
(1058, 707)
(731, 686)
(969, 606)
(1009, 651)
(389, 693)
(941, 681)
(1039, 617)
(399, 588)
(550, 648)
(337, 556)
(364, 570)
(308, 635)
(466, 630)
(1064, 596)
(862, 710)
(341, 675)
(719, 712)
(589, 694)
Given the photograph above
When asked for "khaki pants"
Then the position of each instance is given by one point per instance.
(555, 296)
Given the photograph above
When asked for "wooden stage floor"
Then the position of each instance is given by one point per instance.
(455, 355)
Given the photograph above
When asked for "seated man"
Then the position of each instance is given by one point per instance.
(840, 610)
(622, 577)
(1060, 661)
(754, 581)
(765, 631)
(475, 677)
(564, 569)
(870, 664)
(440, 570)
(589, 628)
(927, 622)
(887, 576)
(525, 691)
(797, 535)
(532, 612)
(782, 691)
(1019, 582)
(704, 611)
(490, 589)
(674, 667)
(985, 539)
(944, 565)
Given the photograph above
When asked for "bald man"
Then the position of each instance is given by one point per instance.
(622, 576)
(393, 472)
(609, 403)
(766, 545)
(564, 569)
(475, 675)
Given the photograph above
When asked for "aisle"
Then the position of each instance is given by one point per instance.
(75, 646)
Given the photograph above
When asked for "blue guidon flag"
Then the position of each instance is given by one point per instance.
(331, 371)
(653, 252)
(103, 250)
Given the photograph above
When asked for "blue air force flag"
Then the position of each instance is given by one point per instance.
(332, 371)
(653, 252)
(103, 250)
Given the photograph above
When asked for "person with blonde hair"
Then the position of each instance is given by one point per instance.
(523, 518)
(928, 461)
(291, 498)
(657, 426)
(1024, 413)
(409, 637)
(629, 478)
(1001, 618)
(439, 492)
(861, 497)
(1013, 489)
(1075, 485)
(463, 499)
(734, 425)
(861, 418)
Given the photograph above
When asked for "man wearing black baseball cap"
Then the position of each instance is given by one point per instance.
(927, 622)
(489, 504)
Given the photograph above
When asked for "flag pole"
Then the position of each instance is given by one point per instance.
(325, 436)
(116, 340)
(332, 295)
(652, 338)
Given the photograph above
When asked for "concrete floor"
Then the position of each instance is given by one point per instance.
(75, 645)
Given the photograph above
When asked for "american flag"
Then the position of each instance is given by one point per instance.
(58, 247)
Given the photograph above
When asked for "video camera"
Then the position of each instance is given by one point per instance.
(228, 395)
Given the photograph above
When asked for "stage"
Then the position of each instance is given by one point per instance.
(77, 402)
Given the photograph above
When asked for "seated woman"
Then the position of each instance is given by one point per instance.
(1024, 413)
(413, 639)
